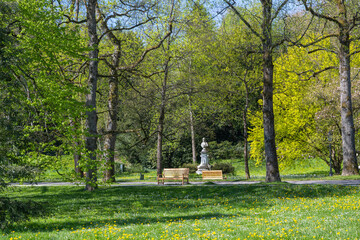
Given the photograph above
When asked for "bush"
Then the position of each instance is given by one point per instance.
(225, 167)
(226, 150)
(191, 166)
(136, 168)
(12, 211)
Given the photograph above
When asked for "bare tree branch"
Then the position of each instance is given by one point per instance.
(314, 74)
(319, 15)
(124, 28)
(283, 4)
(231, 5)
(72, 20)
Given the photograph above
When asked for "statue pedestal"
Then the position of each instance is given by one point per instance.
(204, 165)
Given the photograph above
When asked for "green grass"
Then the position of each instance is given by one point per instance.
(305, 170)
(262, 211)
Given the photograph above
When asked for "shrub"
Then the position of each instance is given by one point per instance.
(226, 150)
(191, 166)
(225, 167)
(12, 211)
(136, 168)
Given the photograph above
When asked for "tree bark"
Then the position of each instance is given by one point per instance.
(91, 119)
(113, 103)
(192, 130)
(77, 156)
(272, 168)
(111, 125)
(162, 119)
(350, 165)
(246, 152)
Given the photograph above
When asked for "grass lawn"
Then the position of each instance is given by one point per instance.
(262, 211)
(306, 169)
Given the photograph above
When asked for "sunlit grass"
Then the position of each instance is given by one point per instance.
(303, 170)
(259, 211)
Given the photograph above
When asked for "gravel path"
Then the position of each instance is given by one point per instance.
(336, 182)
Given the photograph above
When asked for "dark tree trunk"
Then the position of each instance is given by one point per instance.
(272, 168)
(350, 166)
(113, 104)
(77, 156)
(77, 153)
(159, 143)
(162, 119)
(91, 120)
(336, 163)
(111, 126)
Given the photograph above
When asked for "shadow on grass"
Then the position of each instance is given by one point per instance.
(73, 208)
(76, 224)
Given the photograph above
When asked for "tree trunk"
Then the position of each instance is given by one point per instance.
(77, 156)
(193, 144)
(162, 119)
(336, 164)
(91, 119)
(111, 126)
(272, 168)
(350, 166)
(160, 137)
(246, 152)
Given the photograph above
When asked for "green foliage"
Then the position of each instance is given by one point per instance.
(305, 107)
(12, 211)
(226, 167)
(135, 168)
(191, 166)
(225, 150)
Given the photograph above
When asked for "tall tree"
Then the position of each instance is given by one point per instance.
(121, 64)
(269, 14)
(345, 19)
(91, 119)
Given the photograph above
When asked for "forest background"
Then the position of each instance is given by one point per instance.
(87, 85)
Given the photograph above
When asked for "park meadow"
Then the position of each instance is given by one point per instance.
(258, 211)
(206, 210)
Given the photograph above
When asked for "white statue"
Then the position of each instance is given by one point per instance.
(204, 145)
(204, 165)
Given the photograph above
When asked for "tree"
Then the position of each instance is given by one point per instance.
(269, 14)
(91, 119)
(199, 39)
(241, 72)
(36, 95)
(121, 65)
(345, 21)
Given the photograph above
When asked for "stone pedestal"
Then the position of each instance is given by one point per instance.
(204, 165)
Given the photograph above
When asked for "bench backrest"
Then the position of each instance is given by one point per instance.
(212, 174)
(176, 172)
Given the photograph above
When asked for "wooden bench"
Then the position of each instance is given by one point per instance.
(213, 174)
(174, 174)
